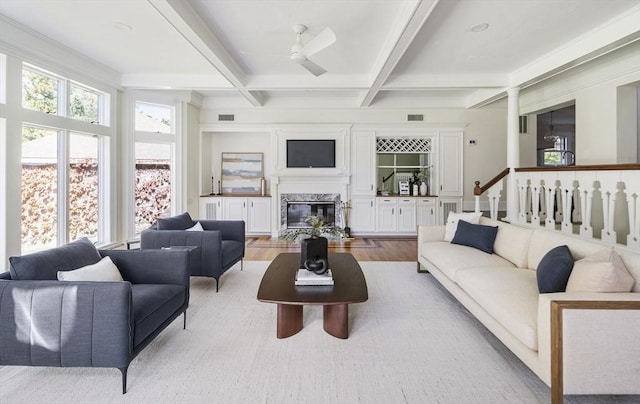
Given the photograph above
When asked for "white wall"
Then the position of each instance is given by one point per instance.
(488, 126)
(593, 87)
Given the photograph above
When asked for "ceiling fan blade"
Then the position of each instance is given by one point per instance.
(323, 40)
(313, 68)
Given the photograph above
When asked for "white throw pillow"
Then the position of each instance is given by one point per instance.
(102, 271)
(603, 271)
(452, 222)
(196, 227)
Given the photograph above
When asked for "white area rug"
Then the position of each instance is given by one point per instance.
(410, 343)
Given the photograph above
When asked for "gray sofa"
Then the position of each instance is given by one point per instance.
(46, 322)
(220, 245)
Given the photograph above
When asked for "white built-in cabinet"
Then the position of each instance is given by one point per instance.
(396, 215)
(450, 164)
(363, 168)
(426, 211)
(362, 215)
(255, 211)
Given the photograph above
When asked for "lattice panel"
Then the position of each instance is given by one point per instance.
(403, 145)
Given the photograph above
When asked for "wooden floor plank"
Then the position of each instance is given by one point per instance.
(362, 248)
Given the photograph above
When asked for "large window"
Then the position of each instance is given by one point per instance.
(63, 187)
(154, 156)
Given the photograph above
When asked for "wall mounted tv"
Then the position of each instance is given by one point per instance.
(311, 153)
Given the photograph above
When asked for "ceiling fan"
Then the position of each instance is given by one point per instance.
(300, 53)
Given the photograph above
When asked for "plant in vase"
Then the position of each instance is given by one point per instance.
(423, 177)
(314, 249)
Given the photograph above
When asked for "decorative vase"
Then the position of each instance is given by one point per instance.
(314, 254)
(423, 188)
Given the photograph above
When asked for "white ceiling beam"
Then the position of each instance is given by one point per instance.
(175, 81)
(190, 25)
(393, 51)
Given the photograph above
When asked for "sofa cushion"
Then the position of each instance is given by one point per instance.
(603, 271)
(180, 222)
(452, 222)
(509, 295)
(44, 265)
(512, 242)
(102, 271)
(554, 270)
(450, 258)
(632, 262)
(476, 236)
(152, 306)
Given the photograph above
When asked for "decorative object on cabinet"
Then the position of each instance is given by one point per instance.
(242, 173)
(314, 253)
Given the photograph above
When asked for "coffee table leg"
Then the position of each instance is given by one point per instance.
(336, 320)
(289, 320)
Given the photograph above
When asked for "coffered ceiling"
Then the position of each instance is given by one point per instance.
(388, 53)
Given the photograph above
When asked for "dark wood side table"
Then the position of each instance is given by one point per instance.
(278, 286)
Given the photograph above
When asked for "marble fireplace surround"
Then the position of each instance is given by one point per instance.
(308, 189)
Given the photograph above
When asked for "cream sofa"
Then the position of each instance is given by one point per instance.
(601, 347)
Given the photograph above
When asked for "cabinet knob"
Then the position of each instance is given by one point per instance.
(393, 211)
(372, 204)
(400, 211)
(252, 204)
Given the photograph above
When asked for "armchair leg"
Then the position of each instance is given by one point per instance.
(217, 284)
(184, 325)
(124, 379)
(242, 265)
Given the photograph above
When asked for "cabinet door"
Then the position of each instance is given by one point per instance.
(450, 158)
(446, 205)
(406, 215)
(426, 212)
(210, 208)
(235, 209)
(259, 215)
(362, 215)
(386, 215)
(363, 154)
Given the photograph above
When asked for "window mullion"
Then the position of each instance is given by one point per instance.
(63, 187)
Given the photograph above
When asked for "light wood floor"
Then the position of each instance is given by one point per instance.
(362, 248)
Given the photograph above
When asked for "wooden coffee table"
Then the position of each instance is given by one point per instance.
(278, 286)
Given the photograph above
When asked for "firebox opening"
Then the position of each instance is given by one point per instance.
(298, 213)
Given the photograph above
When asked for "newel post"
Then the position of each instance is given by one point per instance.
(477, 191)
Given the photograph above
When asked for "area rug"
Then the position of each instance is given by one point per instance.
(411, 342)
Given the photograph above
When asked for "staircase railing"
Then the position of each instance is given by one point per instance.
(494, 188)
(596, 202)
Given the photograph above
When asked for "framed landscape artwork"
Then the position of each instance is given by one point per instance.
(241, 173)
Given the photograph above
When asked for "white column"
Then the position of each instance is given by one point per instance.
(513, 152)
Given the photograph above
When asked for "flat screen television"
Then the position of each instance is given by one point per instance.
(311, 153)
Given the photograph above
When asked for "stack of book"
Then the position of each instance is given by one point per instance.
(308, 278)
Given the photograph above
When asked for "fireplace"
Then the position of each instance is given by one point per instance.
(295, 210)
(299, 212)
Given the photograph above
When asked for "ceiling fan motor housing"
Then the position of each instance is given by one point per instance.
(298, 57)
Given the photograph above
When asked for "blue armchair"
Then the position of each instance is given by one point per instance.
(221, 244)
(46, 322)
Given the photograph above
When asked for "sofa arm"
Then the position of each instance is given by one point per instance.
(5, 275)
(231, 229)
(599, 342)
(52, 323)
(430, 233)
(152, 266)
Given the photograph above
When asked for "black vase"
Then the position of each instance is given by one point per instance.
(312, 251)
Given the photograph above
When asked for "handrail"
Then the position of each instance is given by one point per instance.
(479, 190)
(593, 167)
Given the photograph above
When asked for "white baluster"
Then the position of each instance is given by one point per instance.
(535, 202)
(522, 194)
(585, 187)
(567, 193)
(477, 204)
(494, 193)
(608, 190)
(551, 195)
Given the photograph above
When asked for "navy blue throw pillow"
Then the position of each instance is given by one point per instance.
(180, 222)
(554, 270)
(475, 235)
